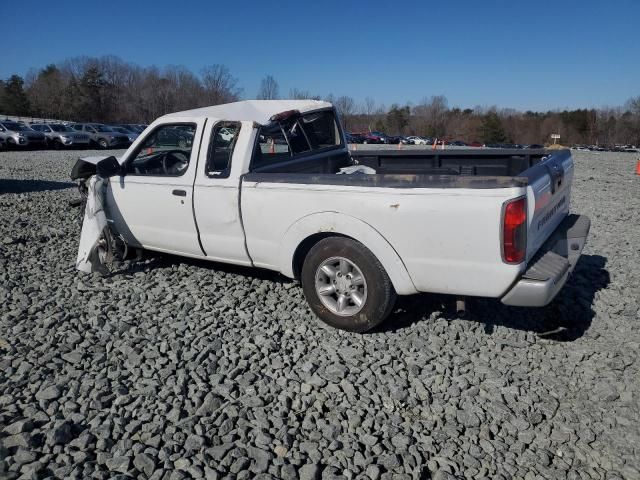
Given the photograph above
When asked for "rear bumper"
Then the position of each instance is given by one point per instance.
(549, 269)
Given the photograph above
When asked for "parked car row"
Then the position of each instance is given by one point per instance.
(59, 135)
(607, 148)
(383, 138)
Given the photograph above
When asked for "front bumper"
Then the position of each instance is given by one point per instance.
(549, 269)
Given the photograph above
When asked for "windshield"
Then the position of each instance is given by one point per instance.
(15, 127)
(57, 127)
(377, 134)
(120, 130)
(102, 128)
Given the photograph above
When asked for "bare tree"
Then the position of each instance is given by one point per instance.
(269, 89)
(369, 106)
(45, 91)
(432, 114)
(346, 107)
(297, 94)
(110, 89)
(219, 85)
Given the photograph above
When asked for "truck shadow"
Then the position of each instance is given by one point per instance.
(567, 318)
(148, 261)
(28, 186)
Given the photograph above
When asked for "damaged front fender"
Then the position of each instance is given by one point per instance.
(92, 249)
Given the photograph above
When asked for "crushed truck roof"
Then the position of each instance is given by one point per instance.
(259, 111)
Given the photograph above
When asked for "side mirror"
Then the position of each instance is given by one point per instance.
(108, 167)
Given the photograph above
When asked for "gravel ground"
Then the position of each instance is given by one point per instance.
(172, 369)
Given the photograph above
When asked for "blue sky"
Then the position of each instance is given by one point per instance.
(534, 54)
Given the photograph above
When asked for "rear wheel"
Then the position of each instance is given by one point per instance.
(346, 285)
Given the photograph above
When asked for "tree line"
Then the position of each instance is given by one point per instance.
(108, 89)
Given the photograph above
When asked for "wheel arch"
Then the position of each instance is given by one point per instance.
(309, 230)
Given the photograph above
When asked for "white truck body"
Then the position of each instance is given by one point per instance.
(431, 232)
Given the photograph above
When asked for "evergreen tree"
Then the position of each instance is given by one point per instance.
(398, 118)
(15, 99)
(3, 107)
(492, 129)
(88, 96)
(46, 93)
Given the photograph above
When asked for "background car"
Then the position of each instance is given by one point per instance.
(374, 137)
(417, 140)
(355, 138)
(59, 135)
(102, 135)
(180, 135)
(227, 134)
(134, 127)
(18, 135)
(131, 135)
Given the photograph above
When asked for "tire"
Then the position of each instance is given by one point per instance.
(103, 143)
(374, 290)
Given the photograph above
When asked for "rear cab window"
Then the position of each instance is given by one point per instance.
(296, 135)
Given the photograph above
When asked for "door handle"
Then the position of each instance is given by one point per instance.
(180, 193)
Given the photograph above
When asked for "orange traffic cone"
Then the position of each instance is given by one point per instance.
(638, 167)
(399, 145)
(272, 147)
(354, 146)
(435, 143)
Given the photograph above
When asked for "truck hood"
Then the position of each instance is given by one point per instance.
(85, 167)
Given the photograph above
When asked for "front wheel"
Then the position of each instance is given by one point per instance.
(346, 286)
(103, 143)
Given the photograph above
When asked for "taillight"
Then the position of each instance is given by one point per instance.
(514, 231)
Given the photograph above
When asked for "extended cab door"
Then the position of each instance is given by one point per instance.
(216, 190)
(151, 203)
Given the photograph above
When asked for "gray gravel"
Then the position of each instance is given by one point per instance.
(172, 369)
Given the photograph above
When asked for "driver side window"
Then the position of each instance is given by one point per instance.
(165, 152)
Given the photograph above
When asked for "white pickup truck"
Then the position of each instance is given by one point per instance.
(272, 184)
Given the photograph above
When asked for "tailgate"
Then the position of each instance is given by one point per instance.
(548, 196)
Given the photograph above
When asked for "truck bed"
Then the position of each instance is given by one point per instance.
(488, 168)
(485, 180)
(490, 162)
